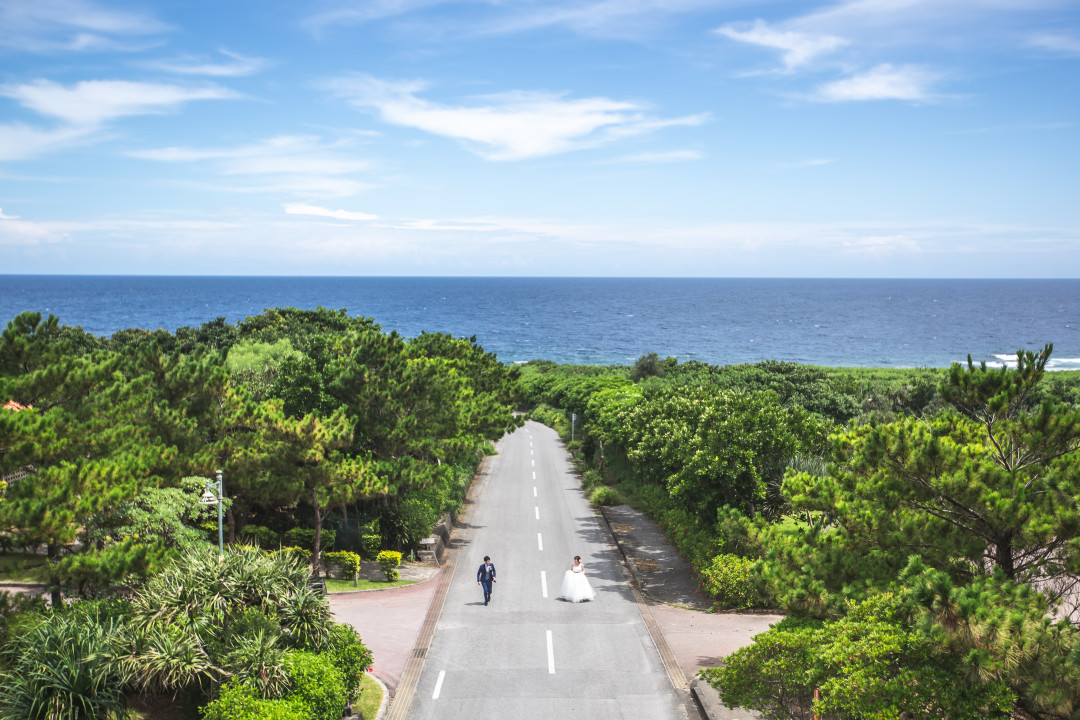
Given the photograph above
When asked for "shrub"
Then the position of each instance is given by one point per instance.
(317, 684)
(869, 664)
(695, 540)
(240, 702)
(729, 579)
(261, 535)
(300, 537)
(555, 419)
(592, 479)
(301, 555)
(211, 530)
(58, 668)
(349, 655)
(389, 561)
(370, 544)
(346, 562)
(605, 496)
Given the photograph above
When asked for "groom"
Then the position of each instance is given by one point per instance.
(485, 576)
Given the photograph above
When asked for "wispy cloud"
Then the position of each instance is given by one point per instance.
(20, 142)
(811, 162)
(362, 11)
(237, 66)
(799, 48)
(602, 18)
(507, 126)
(300, 209)
(72, 25)
(884, 82)
(900, 22)
(653, 158)
(294, 164)
(93, 102)
(1056, 42)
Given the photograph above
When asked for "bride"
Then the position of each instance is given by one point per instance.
(575, 587)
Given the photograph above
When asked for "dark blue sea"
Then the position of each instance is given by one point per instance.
(876, 323)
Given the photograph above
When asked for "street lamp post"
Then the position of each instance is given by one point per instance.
(210, 498)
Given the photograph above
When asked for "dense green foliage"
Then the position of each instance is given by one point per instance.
(307, 413)
(923, 524)
(870, 664)
(389, 561)
(327, 432)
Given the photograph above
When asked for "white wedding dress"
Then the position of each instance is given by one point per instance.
(575, 587)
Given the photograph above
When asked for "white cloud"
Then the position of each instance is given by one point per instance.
(93, 102)
(604, 18)
(283, 154)
(361, 11)
(297, 164)
(799, 48)
(507, 126)
(883, 82)
(49, 25)
(19, 142)
(239, 66)
(300, 209)
(1056, 42)
(811, 162)
(7, 217)
(660, 157)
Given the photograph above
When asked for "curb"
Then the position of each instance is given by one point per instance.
(385, 698)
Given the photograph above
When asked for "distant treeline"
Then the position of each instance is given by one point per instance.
(920, 527)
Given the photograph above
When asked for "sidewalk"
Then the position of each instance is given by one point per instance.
(389, 620)
(697, 638)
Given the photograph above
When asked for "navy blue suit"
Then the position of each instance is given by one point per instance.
(485, 575)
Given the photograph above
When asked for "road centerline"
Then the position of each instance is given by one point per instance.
(438, 685)
(551, 654)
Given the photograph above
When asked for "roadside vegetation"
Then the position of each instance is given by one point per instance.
(920, 528)
(340, 446)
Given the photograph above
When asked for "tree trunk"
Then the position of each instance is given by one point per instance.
(56, 597)
(318, 532)
(230, 518)
(1004, 557)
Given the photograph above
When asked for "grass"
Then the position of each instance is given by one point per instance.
(21, 567)
(370, 697)
(335, 585)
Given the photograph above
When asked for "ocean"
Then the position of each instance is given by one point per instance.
(601, 321)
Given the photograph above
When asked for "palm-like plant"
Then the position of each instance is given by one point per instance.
(60, 671)
(210, 617)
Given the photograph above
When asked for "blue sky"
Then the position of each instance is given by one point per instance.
(856, 138)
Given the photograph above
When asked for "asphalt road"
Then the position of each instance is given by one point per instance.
(529, 654)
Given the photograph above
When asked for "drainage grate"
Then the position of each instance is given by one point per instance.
(419, 653)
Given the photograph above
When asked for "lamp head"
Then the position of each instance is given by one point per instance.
(208, 498)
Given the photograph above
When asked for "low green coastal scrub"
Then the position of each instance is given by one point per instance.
(920, 527)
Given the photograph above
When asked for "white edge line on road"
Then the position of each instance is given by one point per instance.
(543, 583)
(551, 654)
(540, 541)
(438, 685)
(537, 512)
